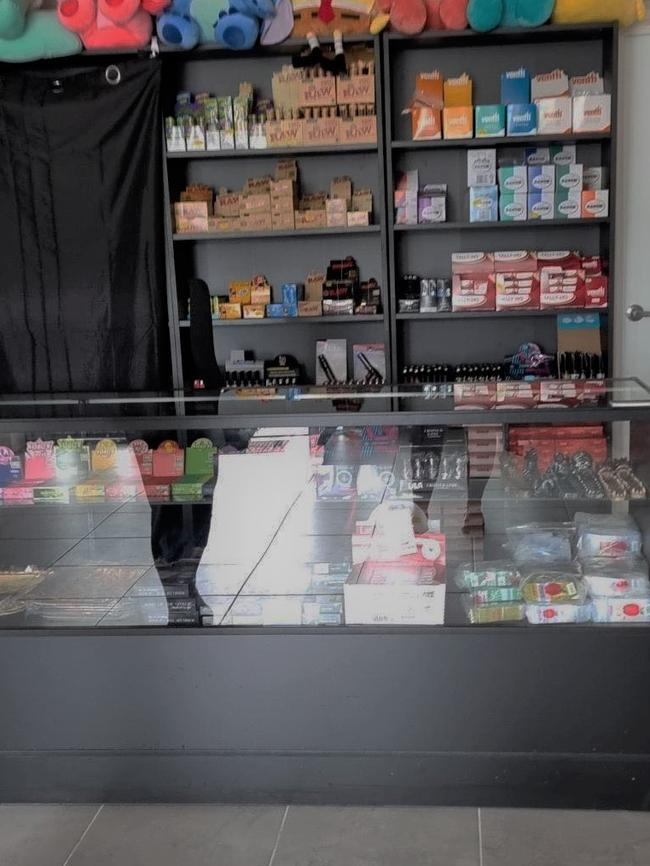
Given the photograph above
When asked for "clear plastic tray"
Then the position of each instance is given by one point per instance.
(541, 543)
(632, 609)
(555, 586)
(551, 614)
(497, 572)
(481, 614)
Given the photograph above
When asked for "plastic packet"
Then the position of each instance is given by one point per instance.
(539, 542)
(633, 609)
(496, 594)
(616, 578)
(550, 614)
(612, 535)
(553, 585)
(497, 572)
(479, 614)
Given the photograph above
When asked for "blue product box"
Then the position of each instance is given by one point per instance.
(483, 204)
(541, 178)
(291, 293)
(541, 205)
(275, 311)
(515, 87)
(290, 310)
(522, 119)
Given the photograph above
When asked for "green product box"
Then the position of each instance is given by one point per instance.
(513, 178)
(513, 206)
(52, 493)
(199, 457)
(192, 487)
(568, 204)
(490, 121)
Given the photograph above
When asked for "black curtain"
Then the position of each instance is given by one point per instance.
(83, 304)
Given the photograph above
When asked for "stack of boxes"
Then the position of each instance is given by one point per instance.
(273, 204)
(442, 107)
(414, 205)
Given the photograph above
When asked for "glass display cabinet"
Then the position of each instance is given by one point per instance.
(390, 569)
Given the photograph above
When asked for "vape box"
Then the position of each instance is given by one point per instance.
(473, 292)
(592, 83)
(592, 113)
(596, 291)
(292, 293)
(513, 178)
(549, 84)
(562, 154)
(541, 178)
(490, 121)
(168, 460)
(193, 486)
(517, 290)
(515, 87)
(568, 204)
(483, 204)
(554, 116)
(568, 177)
(426, 123)
(458, 122)
(457, 92)
(522, 119)
(482, 167)
(594, 178)
(513, 206)
(541, 205)
(595, 204)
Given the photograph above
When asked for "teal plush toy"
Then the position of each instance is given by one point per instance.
(484, 15)
(28, 33)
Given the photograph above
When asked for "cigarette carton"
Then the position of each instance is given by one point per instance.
(515, 87)
(522, 119)
(592, 113)
(513, 206)
(458, 122)
(568, 204)
(541, 206)
(517, 290)
(473, 292)
(595, 177)
(562, 154)
(554, 116)
(513, 178)
(482, 167)
(483, 204)
(549, 84)
(568, 177)
(541, 178)
(490, 121)
(595, 204)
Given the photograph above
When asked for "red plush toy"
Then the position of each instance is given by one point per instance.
(111, 23)
(413, 16)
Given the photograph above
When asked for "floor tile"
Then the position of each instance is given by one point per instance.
(110, 551)
(333, 836)
(41, 835)
(174, 835)
(564, 838)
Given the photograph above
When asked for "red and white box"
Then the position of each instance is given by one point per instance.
(514, 261)
(565, 259)
(473, 292)
(472, 263)
(475, 395)
(517, 291)
(596, 292)
(517, 395)
(561, 289)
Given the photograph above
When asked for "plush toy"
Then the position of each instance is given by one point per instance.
(413, 16)
(484, 15)
(239, 27)
(323, 17)
(111, 23)
(626, 12)
(28, 33)
(177, 27)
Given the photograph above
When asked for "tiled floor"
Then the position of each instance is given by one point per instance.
(172, 835)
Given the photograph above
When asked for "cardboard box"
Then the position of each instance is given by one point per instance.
(254, 311)
(473, 292)
(393, 593)
(490, 121)
(192, 216)
(341, 188)
(291, 131)
(239, 293)
(260, 295)
(227, 204)
(481, 167)
(517, 395)
(310, 308)
(358, 218)
(314, 286)
(513, 178)
(194, 224)
(313, 201)
(515, 87)
(554, 116)
(310, 219)
(514, 261)
(255, 203)
(517, 291)
(362, 200)
(565, 259)
(358, 130)
(356, 90)
(541, 205)
(568, 204)
(457, 92)
(472, 263)
(568, 177)
(595, 177)
(274, 134)
(596, 292)
(320, 131)
(592, 113)
(283, 220)
(549, 84)
(283, 189)
(258, 185)
(256, 222)
(229, 311)
(426, 123)
(318, 92)
(458, 122)
(513, 206)
(336, 206)
(522, 119)
(475, 395)
(286, 169)
(561, 289)
(541, 178)
(483, 204)
(595, 204)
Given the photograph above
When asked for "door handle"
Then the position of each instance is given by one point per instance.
(635, 313)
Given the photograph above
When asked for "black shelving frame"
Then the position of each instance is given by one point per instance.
(456, 52)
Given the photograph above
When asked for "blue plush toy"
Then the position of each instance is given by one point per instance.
(484, 15)
(176, 26)
(239, 27)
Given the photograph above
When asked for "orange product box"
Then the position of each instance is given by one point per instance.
(320, 131)
(230, 311)
(239, 293)
(429, 89)
(426, 123)
(256, 222)
(473, 292)
(358, 130)
(458, 122)
(595, 203)
(283, 221)
(356, 90)
(254, 311)
(458, 92)
(318, 91)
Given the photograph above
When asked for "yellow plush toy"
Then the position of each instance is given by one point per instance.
(626, 12)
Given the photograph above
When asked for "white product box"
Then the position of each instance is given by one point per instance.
(541, 205)
(549, 84)
(554, 116)
(592, 113)
(541, 178)
(568, 177)
(513, 178)
(482, 167)
(595, 204)
(394, 594)
(595, 177)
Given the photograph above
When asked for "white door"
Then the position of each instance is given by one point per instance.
(632, 339)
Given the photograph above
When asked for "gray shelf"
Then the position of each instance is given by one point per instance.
(502, 141)
(291, 320)
(522, 224)
(487, 314)
(272, 152)
(292, 233)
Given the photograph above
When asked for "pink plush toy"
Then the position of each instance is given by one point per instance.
(446, 14)
(111, 23)
(413, 16)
